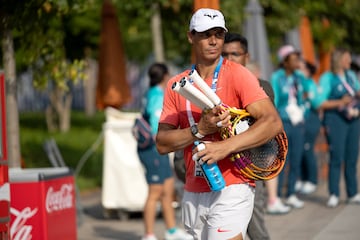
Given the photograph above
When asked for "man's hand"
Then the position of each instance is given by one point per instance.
(213, 152)
(211, 120)
(345, 100)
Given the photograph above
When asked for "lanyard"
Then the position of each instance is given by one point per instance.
(291, 81)
(293, 88)
(213, 87)
(347, 85)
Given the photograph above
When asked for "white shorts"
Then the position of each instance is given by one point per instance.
(218, 215)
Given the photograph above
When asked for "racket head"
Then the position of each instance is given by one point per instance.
(260, 163)
(269, 159)
(264, 162)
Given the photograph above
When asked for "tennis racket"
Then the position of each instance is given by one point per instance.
(259, 163)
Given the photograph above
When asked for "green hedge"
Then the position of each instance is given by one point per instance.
(72, 145)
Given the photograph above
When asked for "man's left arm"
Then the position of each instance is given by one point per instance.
(267, 125)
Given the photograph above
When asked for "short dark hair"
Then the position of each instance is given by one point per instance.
(156, 73)
(235, 37)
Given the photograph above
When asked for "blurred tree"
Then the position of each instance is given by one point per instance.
(276, 14)
(343, 20)
(82, 31)
(82, 34)
(282, 16)
(35, 24)
(135, 21)
(42, 48)
(46, 32)
(13, 15)
(157, 36)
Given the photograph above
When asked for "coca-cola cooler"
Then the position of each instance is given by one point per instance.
(42, 204)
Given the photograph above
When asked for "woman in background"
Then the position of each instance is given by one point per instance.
(309, 173)
(340, 93)
(159, 174)
(287, 83)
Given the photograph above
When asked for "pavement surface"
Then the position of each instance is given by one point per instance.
(314, 221)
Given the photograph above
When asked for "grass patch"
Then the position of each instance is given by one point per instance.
(72, 145)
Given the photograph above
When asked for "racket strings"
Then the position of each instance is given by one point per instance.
(259, 163)
(270, 167)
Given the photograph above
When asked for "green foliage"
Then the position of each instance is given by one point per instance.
(343, 21)
(72, 145)
(282, 16)
(65, 28)
(82, 31)
(176, 43)
(233, 11)
(40, 45)
(135, 23)
(49, 31)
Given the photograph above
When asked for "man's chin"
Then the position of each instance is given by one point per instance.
(212, 56)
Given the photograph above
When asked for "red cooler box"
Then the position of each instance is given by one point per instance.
(42, 204)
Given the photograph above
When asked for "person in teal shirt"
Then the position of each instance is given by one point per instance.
(287, 83)
(309, 169)
(155, 99)
(340, 93)
(159, 173)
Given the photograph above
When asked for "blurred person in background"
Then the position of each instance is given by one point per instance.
(159, 174)
(309, 169)
(236, 49)
(274, 204)
(340, 94)
(254, 67)
(287, 83)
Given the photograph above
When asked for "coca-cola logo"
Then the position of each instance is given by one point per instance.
(19, 230)
(59, 200)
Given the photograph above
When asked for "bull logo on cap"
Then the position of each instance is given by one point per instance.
(211, 16)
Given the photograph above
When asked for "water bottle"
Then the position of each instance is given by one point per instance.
(211, 172)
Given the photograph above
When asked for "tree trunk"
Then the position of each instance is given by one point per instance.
(65, 113)
(11, 101)
(50, 116)
(156, 30)
(58, 113)
(91, 73)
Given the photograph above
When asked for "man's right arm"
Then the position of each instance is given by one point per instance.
(170, 139)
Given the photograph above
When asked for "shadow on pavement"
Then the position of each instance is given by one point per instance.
(98, 212)
(109, 233)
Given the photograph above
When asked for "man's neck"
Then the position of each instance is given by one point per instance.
(206, 69)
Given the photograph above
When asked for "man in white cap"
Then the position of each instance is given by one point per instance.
(225, 214)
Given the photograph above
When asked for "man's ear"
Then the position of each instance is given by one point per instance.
(189, 37)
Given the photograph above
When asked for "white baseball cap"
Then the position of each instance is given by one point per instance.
(205, 19)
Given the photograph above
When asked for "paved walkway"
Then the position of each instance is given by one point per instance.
(314, 221)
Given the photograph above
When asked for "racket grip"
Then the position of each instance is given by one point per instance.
(194, 76)
(212, 173)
